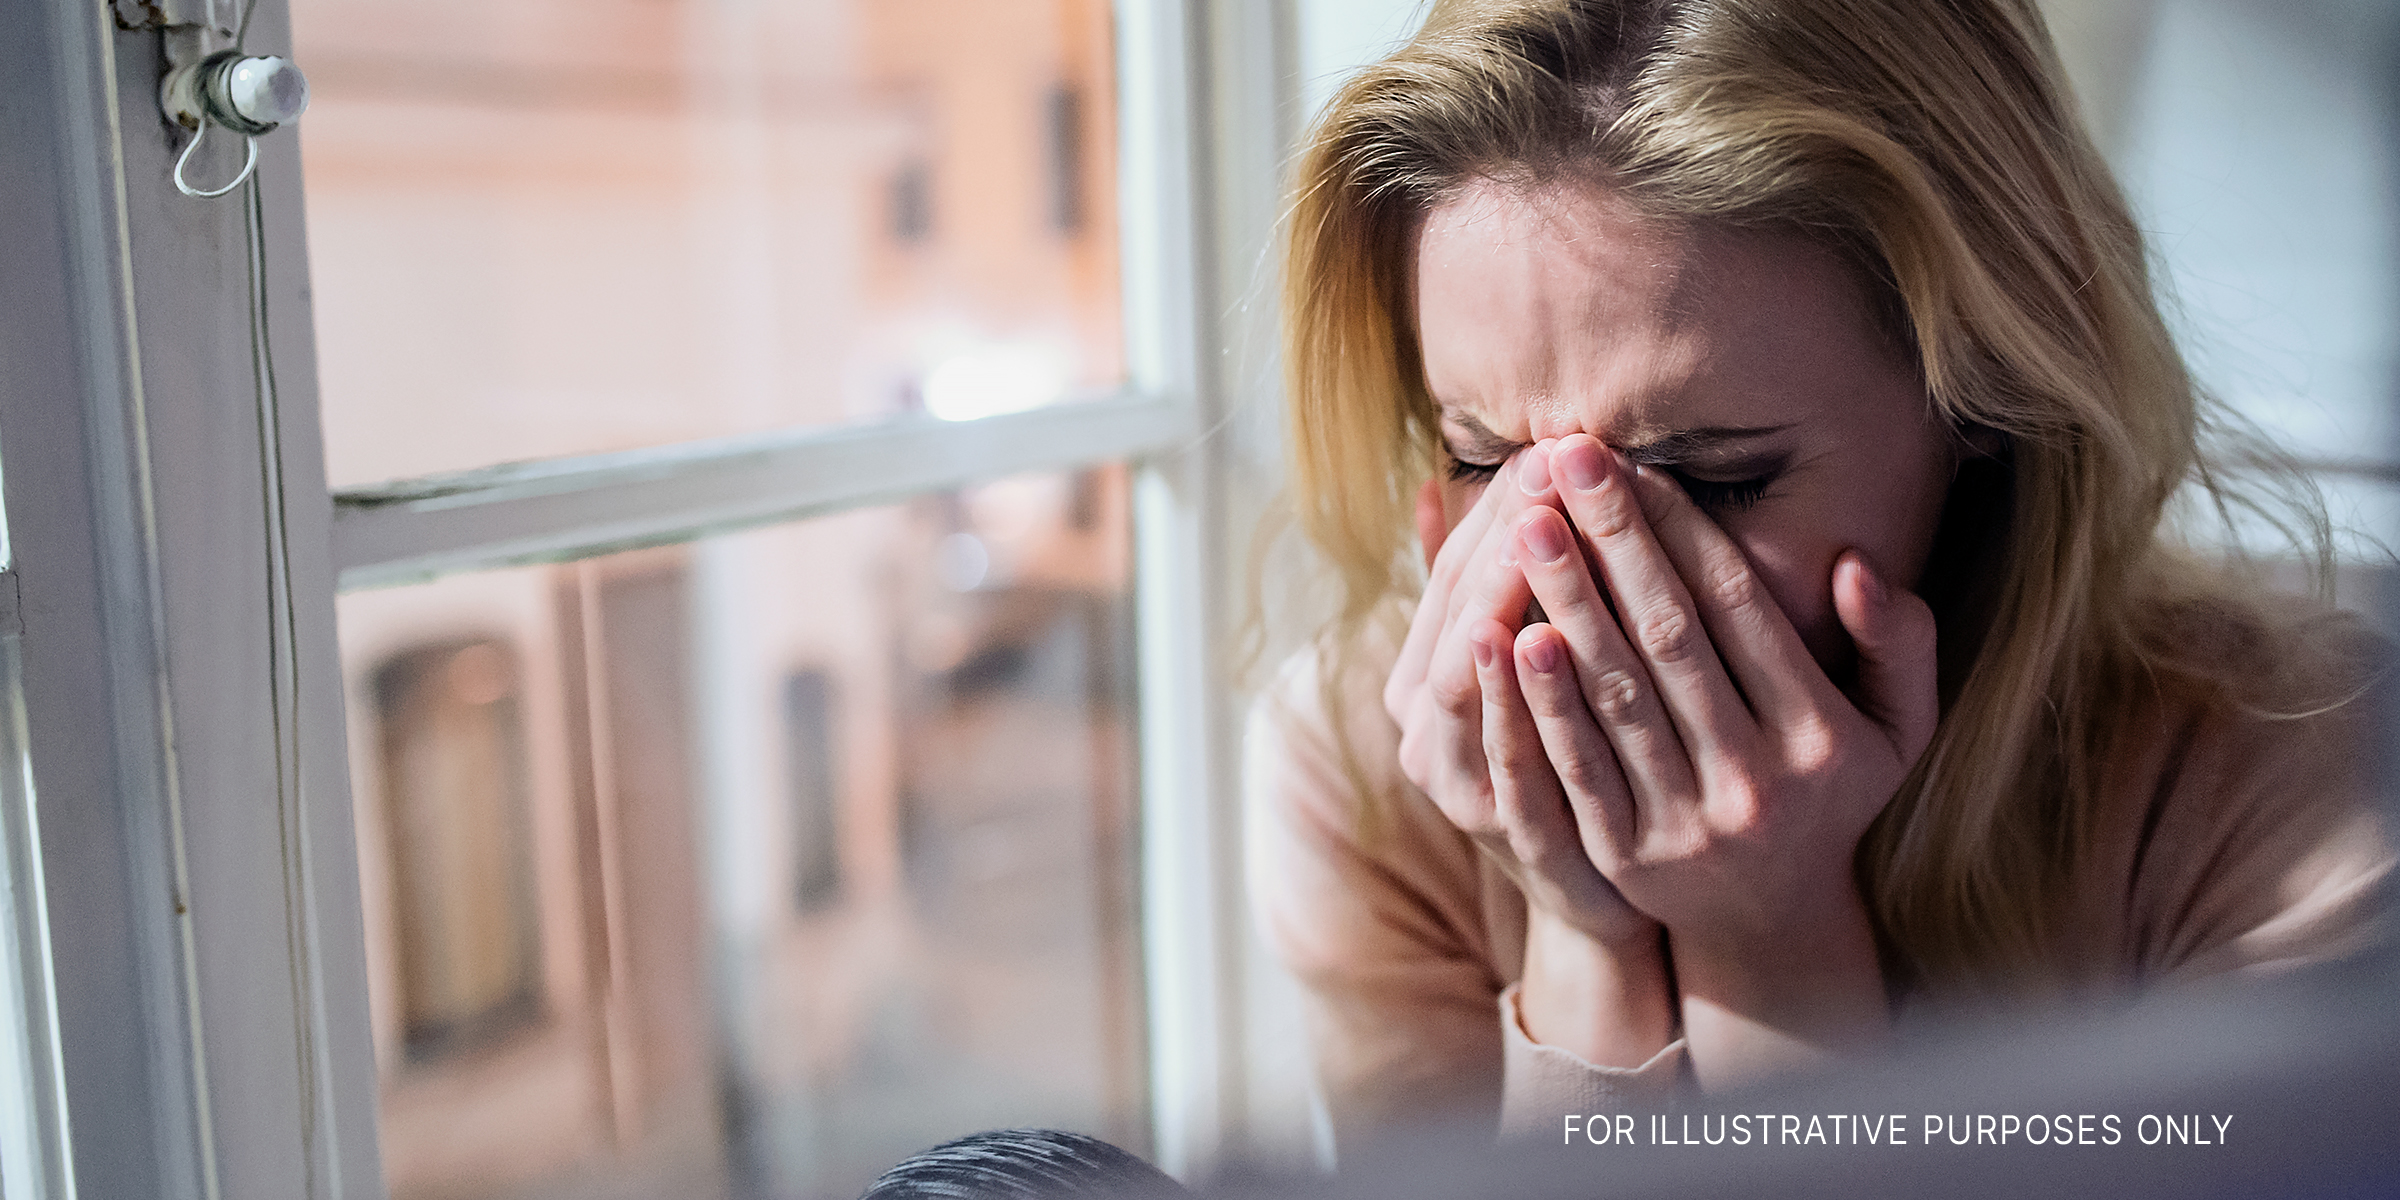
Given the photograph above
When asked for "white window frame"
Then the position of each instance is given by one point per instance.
(173, 769)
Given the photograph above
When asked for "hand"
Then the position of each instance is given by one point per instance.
(1595, 979)
(1718, 778)
(1474, 750)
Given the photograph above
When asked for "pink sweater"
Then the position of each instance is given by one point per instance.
(2229, 843)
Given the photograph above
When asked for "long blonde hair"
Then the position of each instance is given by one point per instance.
(1933, 144)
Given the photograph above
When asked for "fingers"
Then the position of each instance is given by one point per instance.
(1657, 614)
(1527, 802)
(1753, 638)
(1578, 751)
(1497, 593)
(1488, 583)
(1612, 688)
(1897, 665)
(1442, 571)
(1451, 702)
(1529, 471)
(1453, 555)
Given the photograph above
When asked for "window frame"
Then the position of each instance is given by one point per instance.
(176, 553)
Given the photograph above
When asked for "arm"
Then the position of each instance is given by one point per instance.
(1378, 915)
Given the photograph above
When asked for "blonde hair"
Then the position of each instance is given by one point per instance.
(1933, 144)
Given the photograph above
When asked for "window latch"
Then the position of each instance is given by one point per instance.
(243, 93)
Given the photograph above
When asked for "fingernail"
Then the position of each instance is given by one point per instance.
(1870, 582)
(1582, 466)
(1533, 468)
(1543, 538)
(1484, 656)
(1542, 655)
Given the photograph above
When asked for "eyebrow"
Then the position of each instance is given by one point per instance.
(1684, 445)
(1681, 446)
(1482, 443)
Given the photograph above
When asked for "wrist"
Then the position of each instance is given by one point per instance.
(1795, 929)
(1757, 1001)
(1607, 1002)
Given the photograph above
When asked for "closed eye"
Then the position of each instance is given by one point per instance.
(1724, 496)
(1462, 471)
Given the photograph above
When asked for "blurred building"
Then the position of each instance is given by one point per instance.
(748, 866)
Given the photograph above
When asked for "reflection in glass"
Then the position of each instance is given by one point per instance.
(778, 856)
(569, 226)
(462, 880)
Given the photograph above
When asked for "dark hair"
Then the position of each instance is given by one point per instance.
(1023, 1164)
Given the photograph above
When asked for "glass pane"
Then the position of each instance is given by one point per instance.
(568, 226)
(2256, 150)
(747, 867)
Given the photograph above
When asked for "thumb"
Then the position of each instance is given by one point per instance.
(1896, 664)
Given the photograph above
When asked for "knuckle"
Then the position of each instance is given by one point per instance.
(1584, 774)
(1668, 636)
(1613, 514)
(1617, 696)
(1811, 746)
(1740, 806)
(1455, 694)
(1680, 844)
(1510, 756)
(1493, 594)
(1734, 588)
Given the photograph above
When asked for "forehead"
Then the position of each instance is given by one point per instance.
(1559, 309)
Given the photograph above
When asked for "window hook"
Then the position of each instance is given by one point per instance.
(249, 164)
(248, 94)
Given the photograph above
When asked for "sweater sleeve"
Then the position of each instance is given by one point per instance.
(1544, 1083)
(1376, 910)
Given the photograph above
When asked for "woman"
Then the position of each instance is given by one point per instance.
(1800, 642)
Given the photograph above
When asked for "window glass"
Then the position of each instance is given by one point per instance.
(750, 866)
(2257, 148)
(572, 226)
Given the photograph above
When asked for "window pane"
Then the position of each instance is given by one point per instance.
(570, 226)
(2257, 153)
(749, 866)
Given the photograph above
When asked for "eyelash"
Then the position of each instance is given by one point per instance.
(1723, 497)
(1709, 494)
(1467, 472)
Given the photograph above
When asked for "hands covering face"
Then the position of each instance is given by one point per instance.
(1660, 748)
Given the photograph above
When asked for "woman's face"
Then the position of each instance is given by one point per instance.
(1746, 364)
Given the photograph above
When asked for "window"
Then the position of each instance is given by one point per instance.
(602, 318)
(964, 951)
